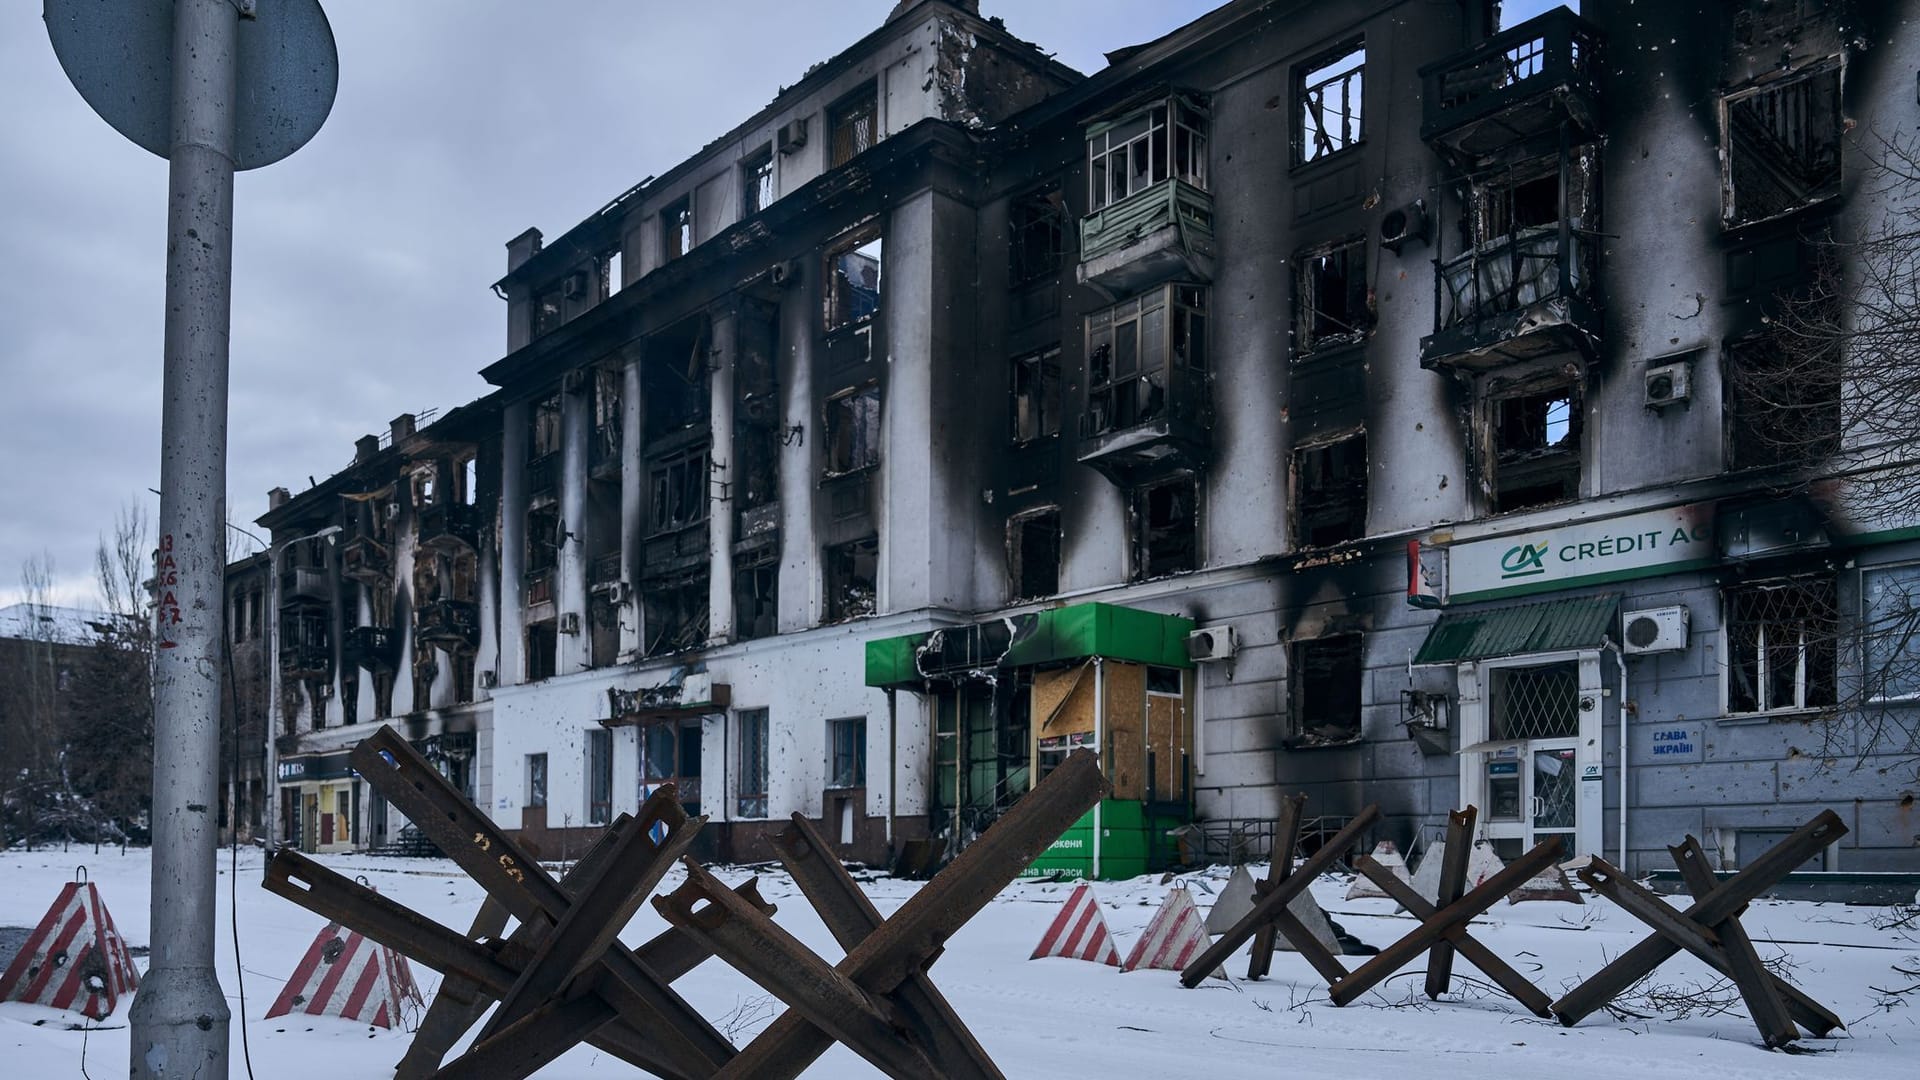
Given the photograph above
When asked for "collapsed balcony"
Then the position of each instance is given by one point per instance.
(1516, 89)
(367, 561)
(375, 648)
(453, 625)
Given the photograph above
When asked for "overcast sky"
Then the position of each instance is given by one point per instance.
(362, 263)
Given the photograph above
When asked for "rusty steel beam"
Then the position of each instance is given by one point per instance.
(1815, 1017)
(1436, 926)
(1286, 835)
(1453, 881)
(1727, 899)
(532, 1042)
(1743, 965)
(1278, 897)
(457, 1005)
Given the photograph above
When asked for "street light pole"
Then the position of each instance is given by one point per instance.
(180, 1017)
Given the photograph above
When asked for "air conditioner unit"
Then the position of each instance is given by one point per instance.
(785, 273)
(1405, 225)
(1210, 643)
(489, 680)
(575, 285)
(1669, 384)
(569, 622)
(792, 135)
(1654, 630)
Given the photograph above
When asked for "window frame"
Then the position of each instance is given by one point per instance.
(1159, 146)
(833, 611)
(836, 314)
(537, 796)
(752, 746)
(753, 168)
(676, 228)
(856, 461)
(1017, 525)
(1834, 65)
(856, 726)
(599, 767)
(1352, 96)
(1309, 343)
(1800, 705)
(1489, 446)
(689, 462)
(1874, 690)
(848, 107)
(1142, 568)
(1298, 488)
(1038, 212)
(1042, 386)
(1297, 738)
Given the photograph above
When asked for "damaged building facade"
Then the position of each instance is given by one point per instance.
(1359, 399)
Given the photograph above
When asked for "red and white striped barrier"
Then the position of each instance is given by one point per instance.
(1079, 932)
(74, 955)
(1173, 939)
(345, 975)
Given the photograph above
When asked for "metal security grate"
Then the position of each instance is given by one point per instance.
(1537, 702)
(1781, 645)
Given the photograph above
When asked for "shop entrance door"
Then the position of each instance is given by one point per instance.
(1532, 778)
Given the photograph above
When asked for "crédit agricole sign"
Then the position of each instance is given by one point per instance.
(1582, 553)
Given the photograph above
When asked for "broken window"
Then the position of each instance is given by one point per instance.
(1535, 452)
(1327, 676)
(852, 578)
(543, 427)
(1782, 144)
(1138, 351)
(750, 778)
(853, 279)
(1036, 395)
(1330, 297)
(847, 752)
(425, 669)
(536, 780)
(462, 677)
(1037, 229)
(543, 540)
(543, 646)
(756, 182)
(679, 486)
(1330, 491)
(599, 776)
(675, 612)
(676, 228)
(548, 312)
(853, 125)
(1132, 154)
(1033, 553)
(853, 430)
(608, 418)
(1781, 645)
(610, 272)
(1328, 91)
(1166, 527)
(756, 595)
(1782, 401)
(1518, 249)
(382, 695)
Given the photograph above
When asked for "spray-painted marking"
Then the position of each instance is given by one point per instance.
(166, 574)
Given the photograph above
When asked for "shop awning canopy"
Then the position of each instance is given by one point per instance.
(1051, 635)
(1580, 622)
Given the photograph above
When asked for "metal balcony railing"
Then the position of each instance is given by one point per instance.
(305, 583)
(375, 648)
(1552, 58)
(448, 623)
(450, 526)
(543, 475)
(1510, 275)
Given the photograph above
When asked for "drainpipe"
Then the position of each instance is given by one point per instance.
(893, 762)
(1100, 747)
(1620, 710)
(271, 619)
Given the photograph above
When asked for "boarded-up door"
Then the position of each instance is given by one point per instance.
(1125, 698)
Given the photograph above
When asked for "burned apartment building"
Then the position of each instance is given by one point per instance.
(1361, 399)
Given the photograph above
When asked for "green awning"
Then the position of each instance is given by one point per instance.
(1051, 635)
(1580, 622)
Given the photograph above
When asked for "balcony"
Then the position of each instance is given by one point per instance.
(375, 648)
(543, 475)
(305, 584)
(1523, 296)
(367, 561)
(305, 649)
(450, 528)
(1514, 90)
(1155, 423)
(1164, 231)
(448, 624)
(603, 455)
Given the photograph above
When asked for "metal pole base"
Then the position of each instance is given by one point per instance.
(182, 1023)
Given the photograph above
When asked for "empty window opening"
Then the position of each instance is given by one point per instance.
(679, 490)
(756, 183)
(1329, 92)
(1037, 227)
(1033, 553)
(1782, 145)
(1130, 155)
(676, 228)
(543, 646)
(536, 780)
(1782, 639)
(1330, 491)
(599, 776)
(1327, 677)
(1782, 401)
(610, 273)
(847, 752)
(426, 668)
(1166, 519)
(548, 309)
(463, 666)
(1143, 351)
(543, 541)
(1536, 447)
(750, 794)
(853, 430)
(1036, 395)
(1330, 301)
(676, 612)
(853, 125)
(382, 698)
(852, 579)
(756, 595)
(543, 427)
(853, 279)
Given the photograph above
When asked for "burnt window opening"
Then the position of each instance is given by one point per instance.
(599, 776)
(1328, 93)
(679, 491)
(1327, 678)
(750, 784)
(852, 579)
(675, 613)
(1037, 230)
(1782, 401)
(852, 430)
(350, 700)
(463, 665)
(543, 540)
(1141, 349)
(1132, 154)
(853, 125)
(610, 272)
(853, 279)
(756, 596)
(607, 418)
(847, 752)
(426, 668)
(1036, 395)
(1782, 145)
(382, 696)
(676, 228)
(1166, 528)
(426, 484)
(543, 651)
(543, 427)
(1330, 491)
(1516, 201)
(674, 392)
(549, 309)
(1330, 301)
(756, 182)
(536, 781)
(1033, 553)
(1535, 451)
(1782, 645)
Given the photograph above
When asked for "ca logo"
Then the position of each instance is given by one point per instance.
(1524, 560)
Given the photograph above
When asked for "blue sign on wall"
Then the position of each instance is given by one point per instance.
(1671, 744)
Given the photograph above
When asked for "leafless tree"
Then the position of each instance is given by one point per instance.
(109, 740)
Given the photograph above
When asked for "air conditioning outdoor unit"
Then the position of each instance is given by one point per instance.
(1669, 384)
(1404, 225)
(785, 273)
(1210, 643)
(1654, 630)
(792, 136)
(570, 622)
(575, 285)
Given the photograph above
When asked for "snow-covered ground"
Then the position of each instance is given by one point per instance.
(1064, 1018)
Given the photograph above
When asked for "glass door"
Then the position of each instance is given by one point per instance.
(1532, 780)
